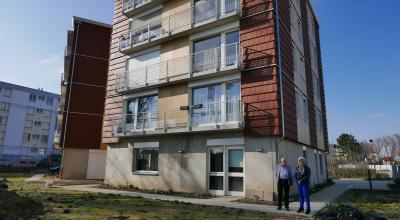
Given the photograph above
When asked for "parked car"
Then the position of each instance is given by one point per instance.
(50, 161)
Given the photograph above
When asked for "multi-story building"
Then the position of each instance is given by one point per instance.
(205, 95)
(27, 124)
(83, 87)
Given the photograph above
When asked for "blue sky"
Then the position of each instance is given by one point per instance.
(359, 39)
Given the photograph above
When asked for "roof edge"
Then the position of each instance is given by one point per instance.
(76, 18)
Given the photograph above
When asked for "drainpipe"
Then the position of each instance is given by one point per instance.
(277, 23)
(77, 23)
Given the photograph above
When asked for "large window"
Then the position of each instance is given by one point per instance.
(144, 68)
(4, 106)
(3, 120)
(146, 159)
(217, 51)
(205, 10)
(214, 108)
(49, 101)
(141, 113)
(7, 92)
(32, 97)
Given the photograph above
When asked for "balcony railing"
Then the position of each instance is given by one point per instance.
(213, 116)
(178, 22)
(201, 63)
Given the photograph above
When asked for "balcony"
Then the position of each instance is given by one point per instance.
(219, 60)
(214, 116)
(176, 25)
(134, 7)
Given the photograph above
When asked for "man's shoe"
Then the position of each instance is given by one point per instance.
(307, 211)
(300, 210)
(279, 208)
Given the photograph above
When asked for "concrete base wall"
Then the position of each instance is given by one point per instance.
(96, 164)
(75, 162)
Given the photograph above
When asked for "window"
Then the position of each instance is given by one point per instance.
(49, 101)
(217, 51)
(41, 98)
(298, 103)
(140, 26)
(37, 123)
(316, 162)
(3, 120)
(7, 92)
(300, 30)
(32, 97)
(28, 124)
(205, 10)
(146, 159)
(34, 150)
(4, 106)
(27, 137)
(213, 104)
(2, 134)
(35, 137)
(305, 107)
(144, 68)
(39, 110)
(44, 138)
(142, 112)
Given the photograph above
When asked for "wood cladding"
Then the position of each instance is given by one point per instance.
(289, 96)
(309, 74)
(113, 104)
(259, 80)
(86, 96)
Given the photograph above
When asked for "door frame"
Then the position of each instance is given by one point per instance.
(225, 174)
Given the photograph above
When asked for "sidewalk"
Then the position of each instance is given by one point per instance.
(318, 200)
(36, 177)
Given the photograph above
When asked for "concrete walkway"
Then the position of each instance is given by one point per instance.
(36, 177)
(318, 200)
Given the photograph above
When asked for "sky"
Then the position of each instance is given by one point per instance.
(359, 40)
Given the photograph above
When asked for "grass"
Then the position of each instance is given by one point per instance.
(59, 203)
(155, 191)
(385, 203)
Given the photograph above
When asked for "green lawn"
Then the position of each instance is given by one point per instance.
(63, 204)
(384, 203)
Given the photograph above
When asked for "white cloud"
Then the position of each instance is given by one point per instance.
(52, 58)
(378, 115)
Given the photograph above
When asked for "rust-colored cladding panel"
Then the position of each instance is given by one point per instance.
(289, 97)
(259, 75)
(309, 75)
(86, 97)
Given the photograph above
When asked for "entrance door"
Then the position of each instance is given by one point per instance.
(226, 173)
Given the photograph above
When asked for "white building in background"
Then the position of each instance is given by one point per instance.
(27, 124)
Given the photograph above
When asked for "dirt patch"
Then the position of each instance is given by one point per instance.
(14, 206)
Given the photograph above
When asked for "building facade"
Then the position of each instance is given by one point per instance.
(83, 87)
(205, 96)
(27, 124)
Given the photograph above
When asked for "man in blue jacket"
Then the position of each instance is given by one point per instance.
(284, 178)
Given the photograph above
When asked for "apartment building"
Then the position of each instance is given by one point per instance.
(205, 95)
(83, 87)
(27, 124)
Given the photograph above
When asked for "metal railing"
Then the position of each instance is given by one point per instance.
(210, 116)
(208, 61)
(178, 22)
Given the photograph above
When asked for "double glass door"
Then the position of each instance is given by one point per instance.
(226, 171)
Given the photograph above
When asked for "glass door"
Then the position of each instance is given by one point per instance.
(235, 171)
(226, 171)
(216, 171)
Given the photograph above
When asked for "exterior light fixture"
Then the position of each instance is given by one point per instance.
(181, 151)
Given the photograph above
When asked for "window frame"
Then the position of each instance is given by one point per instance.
(136, 153)
(7, 92)
(136, 111)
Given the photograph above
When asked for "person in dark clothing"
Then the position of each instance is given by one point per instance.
(283, 175)
(302, 176)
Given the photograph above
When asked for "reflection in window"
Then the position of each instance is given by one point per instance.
(146, 159)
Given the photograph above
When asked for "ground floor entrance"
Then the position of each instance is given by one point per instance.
(226, 170)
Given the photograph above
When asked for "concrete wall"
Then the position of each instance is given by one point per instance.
(259, 167)
(75, 163)
(96, 164)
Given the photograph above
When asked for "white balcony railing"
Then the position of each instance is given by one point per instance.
(204, 62)
(213, 116)
(178, 22)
